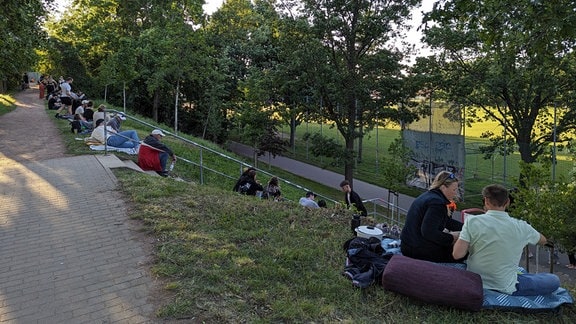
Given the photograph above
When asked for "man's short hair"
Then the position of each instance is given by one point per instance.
(496, 194)
(344, 183)
(309, 194)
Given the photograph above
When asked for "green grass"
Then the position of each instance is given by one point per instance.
(225, 171)
(229, 258)
(7, 104)
(224, 257)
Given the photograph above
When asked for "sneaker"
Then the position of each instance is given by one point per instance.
(162, 173)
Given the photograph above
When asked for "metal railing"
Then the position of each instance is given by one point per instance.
(203, 167)
(387, 211)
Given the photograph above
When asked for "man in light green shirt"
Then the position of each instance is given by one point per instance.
(495, 242)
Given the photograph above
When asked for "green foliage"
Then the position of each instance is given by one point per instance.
(396, 167)
(498, 145)
(511, 60)
(20, 35)
(356, 74)
(548, 207)
(322, 145)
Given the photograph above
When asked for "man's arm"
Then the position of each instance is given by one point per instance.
(460, 249)
(543, 240)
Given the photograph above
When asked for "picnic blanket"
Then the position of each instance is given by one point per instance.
(498, 300)
(101, 147)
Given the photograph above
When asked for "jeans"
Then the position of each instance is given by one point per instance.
(530, 284)
(163, 160)
(125, 139)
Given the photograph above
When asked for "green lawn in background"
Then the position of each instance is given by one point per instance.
(478, 171)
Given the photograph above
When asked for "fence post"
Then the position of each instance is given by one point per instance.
(201, 167)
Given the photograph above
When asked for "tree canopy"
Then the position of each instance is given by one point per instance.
(21, 36)
(514, 60)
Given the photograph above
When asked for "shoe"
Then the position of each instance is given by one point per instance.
(162, 173)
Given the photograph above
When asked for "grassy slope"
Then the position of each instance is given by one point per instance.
(229, 258)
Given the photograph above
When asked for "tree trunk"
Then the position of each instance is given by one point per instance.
(359, 158)
(155, 105)
(292, 131)
(349, 163)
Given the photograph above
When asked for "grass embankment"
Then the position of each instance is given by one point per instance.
(215, 169)
(7, 104)
(228, 258)
(234, 259)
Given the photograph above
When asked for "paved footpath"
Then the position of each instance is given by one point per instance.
(68, 252)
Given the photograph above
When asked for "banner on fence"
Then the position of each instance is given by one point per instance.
(437, 144)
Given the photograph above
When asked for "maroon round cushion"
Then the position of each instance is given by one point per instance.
(433, 283)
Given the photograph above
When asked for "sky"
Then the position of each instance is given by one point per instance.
(209, 7)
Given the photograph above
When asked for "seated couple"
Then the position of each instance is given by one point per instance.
(126, 139)
(153, 154)
(490, 244)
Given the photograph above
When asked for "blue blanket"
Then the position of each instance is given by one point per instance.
(498, 300)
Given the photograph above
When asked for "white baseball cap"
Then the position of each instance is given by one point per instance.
(157, 132)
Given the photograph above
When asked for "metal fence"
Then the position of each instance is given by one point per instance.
(206, 169)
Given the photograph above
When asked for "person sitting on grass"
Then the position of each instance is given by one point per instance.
(154, 140)
(116, 122)
(309, 201)
(125, 139)
(248, 185)
(495, 241)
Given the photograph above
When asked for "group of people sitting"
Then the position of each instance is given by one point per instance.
(106, 128)
(491, 244)
(248, 185)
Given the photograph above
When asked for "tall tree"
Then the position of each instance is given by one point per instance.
(513, 60)
(359, 74)
(20, 36)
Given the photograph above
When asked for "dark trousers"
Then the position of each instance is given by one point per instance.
(430, 253)
(163, 160)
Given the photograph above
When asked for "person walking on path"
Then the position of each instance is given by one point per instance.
(66, 97)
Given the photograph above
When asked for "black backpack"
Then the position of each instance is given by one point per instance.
(75, 125)
(366, 261)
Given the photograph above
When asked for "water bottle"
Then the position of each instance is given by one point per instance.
(354, 223)
(171, 166)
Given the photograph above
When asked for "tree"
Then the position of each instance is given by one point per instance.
(357, 73)
(20, 36)
(512, 60)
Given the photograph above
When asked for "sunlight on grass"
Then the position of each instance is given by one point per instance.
(243, 260)
(7, 103)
